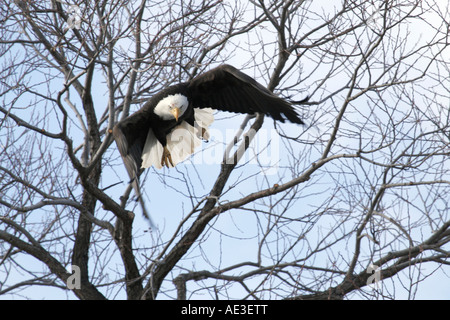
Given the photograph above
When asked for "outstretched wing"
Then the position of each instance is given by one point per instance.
(228, 89)
(130, 135)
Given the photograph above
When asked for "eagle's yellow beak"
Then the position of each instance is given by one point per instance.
(175, 112)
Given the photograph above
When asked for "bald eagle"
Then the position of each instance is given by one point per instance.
(171, 124)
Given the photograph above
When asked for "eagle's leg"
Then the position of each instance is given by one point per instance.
(166, 158)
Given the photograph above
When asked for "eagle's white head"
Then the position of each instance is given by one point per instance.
(172, 106)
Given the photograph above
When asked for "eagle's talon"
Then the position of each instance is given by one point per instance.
(166, 158)
(203, 135)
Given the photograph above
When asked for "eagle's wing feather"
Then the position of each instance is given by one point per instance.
(228, 89)
(130, 139)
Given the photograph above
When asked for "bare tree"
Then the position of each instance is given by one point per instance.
(354, 204)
